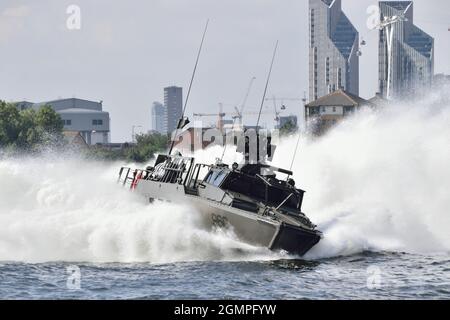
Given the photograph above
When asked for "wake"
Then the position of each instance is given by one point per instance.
(379, 181)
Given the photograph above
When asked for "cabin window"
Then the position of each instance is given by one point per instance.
(215, 177)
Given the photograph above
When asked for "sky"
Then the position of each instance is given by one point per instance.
(126, 52)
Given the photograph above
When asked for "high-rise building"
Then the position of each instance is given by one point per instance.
(406, 53)
(159, 118)
(173, 103)
(333, 50)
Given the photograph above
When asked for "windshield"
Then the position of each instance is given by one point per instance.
(215, 177)
(255, 188)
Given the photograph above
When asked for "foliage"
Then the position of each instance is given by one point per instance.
(145, 148)
(29, 129)
(288, 128)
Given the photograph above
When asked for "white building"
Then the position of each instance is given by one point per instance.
(78, 115)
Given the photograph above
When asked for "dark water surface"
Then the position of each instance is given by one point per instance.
(362, 276)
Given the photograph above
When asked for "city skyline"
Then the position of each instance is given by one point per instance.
(124, 56)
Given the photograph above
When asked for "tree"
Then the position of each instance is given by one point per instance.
(49, 125)
(146, 147)
(288, 128)
(27, 129)
(10, 124)
(29, 135)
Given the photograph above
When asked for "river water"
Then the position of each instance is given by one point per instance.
(362, 276)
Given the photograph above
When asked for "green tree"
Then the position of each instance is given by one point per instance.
(10, 124)
(146, 147)
(49, 126)
(27, 129)
(49, 121)
(29, 135)
(288, 128)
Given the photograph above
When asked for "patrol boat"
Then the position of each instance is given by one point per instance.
(260, 208)
(250, 198)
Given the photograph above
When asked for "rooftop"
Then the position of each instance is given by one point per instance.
(339, 98)
(84, 111)
(65, 100)
(398, 5)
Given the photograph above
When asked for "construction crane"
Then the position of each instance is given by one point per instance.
(283, 106)
(244, 103)
(221, 115)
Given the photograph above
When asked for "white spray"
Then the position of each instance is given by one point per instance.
(54, 209)
(378, 181)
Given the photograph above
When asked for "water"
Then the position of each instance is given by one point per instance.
(377, 186)
(402, 276)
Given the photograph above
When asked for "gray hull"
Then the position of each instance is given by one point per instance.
(216, 211)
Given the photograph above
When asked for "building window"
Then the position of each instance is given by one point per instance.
(348, 109)
(312, 29)
(314, 111)
(97, 122)
(334, 109)
(327, 70)
(67, 122)
(339, 78)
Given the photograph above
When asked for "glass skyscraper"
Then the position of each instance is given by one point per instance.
(411, 51)
(334, 50)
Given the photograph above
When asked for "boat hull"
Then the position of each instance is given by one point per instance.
(295, 240)
(249, 227)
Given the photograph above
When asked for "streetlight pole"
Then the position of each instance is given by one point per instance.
(133, 135)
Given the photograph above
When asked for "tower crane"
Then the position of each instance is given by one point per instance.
(221, 116)
(283, 106)
(244, 103)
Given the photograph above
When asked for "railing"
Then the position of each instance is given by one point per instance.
(194, 175)
(132, 176)
(172, 170)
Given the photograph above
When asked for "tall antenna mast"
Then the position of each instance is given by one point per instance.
(190, 87)
(267, 84)
(299, 134)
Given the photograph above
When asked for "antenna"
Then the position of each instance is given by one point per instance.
(299, 135)
(244, 103)
(267, 84)
(190, 87)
